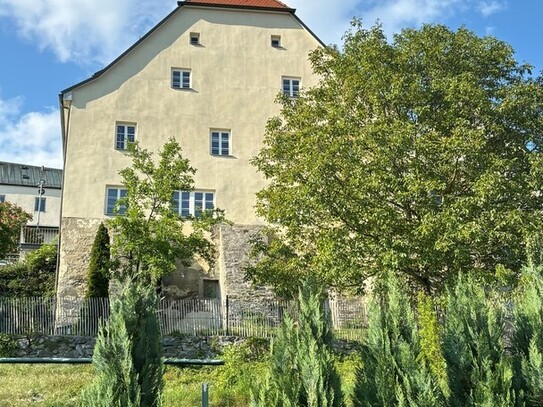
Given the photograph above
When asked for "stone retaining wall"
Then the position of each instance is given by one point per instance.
(174, 347)
(83, 346)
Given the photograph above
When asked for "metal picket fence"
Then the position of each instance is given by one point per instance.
(193, 317)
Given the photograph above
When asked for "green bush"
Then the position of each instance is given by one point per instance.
(479, 371)
(128, 352)
(302, 372)
(99, 267)
(393, 371)
(33, 277)
(527, 340)
(8, 346)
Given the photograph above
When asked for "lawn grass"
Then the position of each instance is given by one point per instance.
(60, 385)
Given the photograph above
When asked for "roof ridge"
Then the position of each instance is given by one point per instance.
(266, 4)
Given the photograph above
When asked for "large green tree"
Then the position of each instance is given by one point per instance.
(420, 155)
(149, 238)
(12, 218)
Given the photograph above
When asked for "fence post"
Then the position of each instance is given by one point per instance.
(227, 310)
(205, 395)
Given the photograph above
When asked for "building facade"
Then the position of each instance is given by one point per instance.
(207, 75)
(37, 190)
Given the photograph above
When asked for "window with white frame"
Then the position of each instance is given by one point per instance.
(291, 86)
(39, 204)
(113, 194)
(126, 133)
(181, 79)
(193, 203)
(220, 142)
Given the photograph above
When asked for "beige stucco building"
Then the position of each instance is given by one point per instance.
(208, 75)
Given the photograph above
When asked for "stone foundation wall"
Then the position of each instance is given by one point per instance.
(83, 346)
(77, 237)
(233, 244)
(173, 347)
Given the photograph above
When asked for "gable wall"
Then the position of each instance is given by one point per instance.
(236, 76)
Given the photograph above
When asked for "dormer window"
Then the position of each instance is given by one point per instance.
(194, 38)
(276, 41)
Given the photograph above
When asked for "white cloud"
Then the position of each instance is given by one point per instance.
(487, 8)
(84, 31)
(32, 138)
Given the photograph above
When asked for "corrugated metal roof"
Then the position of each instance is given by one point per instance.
(29, 175)
(241, 3)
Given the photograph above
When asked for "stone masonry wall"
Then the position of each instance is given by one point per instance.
(173, 347)
(83, 346)
(233, 244)
(77, 237)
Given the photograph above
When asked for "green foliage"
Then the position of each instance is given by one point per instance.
(421, 156)
(302, 371)
(32, 277)
(394, 371)
(528, 336)
(430, 342)
(99, 267)
(8, 346)
(479, 372)
(128, 351)
(12, 218)
(149, 238)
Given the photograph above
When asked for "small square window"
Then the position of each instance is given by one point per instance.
(276, 41)
(291, 87)
(126, 133)
(220, 142)
(181, 79)
(194, 38)
(39, 204)
(112, 196)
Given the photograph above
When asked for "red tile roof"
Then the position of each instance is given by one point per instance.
(274, 4)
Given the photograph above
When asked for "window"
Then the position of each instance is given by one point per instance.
(276, 41)
(195, 38)
(2, 198)
(39, 204)
(291, 87)
(112, 196)
(126, 133)
(210, 288)
(220, 142)
(192, 203)
(180, 79)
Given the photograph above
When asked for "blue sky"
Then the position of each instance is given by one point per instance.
(49, 45)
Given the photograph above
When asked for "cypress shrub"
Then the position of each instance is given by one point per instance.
(393, 371)
(302, 371)
(479, 372)
(527, 337)
(99, 267)
(127, 355)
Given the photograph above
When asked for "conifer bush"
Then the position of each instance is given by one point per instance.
(302, 371)
(127, 354)
(393, 371)
(99, 268)
(527, 339)
(479, 371)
